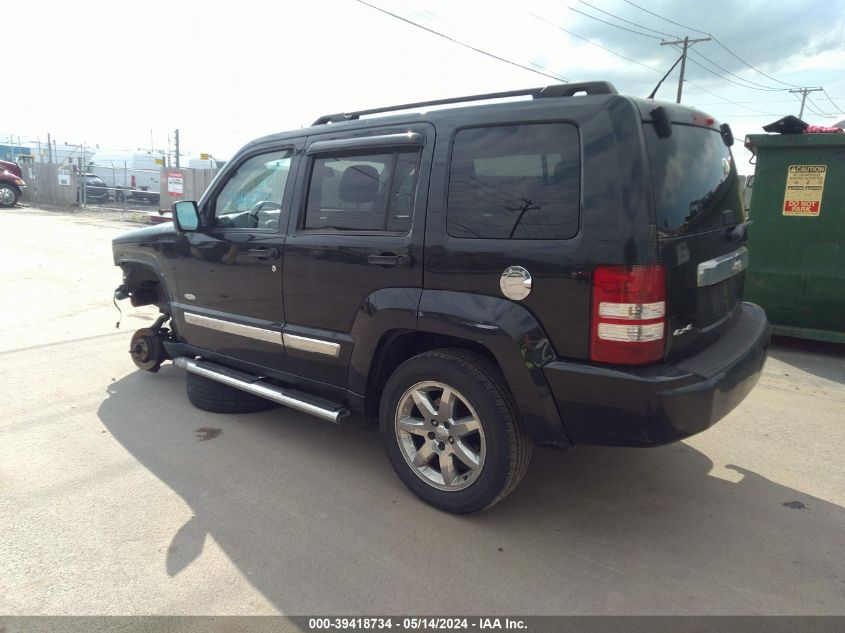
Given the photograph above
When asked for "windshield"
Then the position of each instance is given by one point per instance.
(694, 179)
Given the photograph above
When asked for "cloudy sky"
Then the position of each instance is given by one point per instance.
(108, 73)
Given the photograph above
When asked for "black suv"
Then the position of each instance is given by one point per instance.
(96, 189)
(565, 269)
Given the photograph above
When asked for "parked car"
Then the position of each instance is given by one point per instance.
(132, 175)
(561, 270)
(96, 189)
(12, 183)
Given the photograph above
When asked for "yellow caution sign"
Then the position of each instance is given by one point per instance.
(804, 190)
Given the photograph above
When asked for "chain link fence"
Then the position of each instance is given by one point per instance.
(52, 185)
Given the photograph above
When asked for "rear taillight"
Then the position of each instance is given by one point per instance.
(629, 314)
(132, 182)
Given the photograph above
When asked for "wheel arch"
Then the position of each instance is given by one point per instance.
(144, 283)
(503, 331)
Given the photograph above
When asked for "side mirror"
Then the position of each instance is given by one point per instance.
(186, 216)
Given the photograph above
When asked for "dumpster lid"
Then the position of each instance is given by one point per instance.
(755, 141)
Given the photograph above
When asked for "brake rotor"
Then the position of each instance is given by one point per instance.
(146, 350)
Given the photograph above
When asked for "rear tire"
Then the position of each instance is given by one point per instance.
(466, 457)
(209, 395)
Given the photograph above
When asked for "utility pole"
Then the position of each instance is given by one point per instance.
(82, 169)
(804, 92)
(176, 146)
(687, 42)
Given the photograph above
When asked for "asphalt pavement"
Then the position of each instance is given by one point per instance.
(118, 497)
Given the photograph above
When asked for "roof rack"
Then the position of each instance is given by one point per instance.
(557, 90)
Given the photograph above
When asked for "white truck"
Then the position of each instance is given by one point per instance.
(130, 175)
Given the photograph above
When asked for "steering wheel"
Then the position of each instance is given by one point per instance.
(269, 204)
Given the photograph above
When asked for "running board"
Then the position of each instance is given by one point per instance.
(252, 384)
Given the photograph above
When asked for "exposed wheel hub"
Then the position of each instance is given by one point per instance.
(146, 350)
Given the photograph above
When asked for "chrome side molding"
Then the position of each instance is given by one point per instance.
(291, 341)
(717, 270)
(253, 384)
(305, 344)
(230, 327)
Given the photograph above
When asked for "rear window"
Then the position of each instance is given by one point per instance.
(515, 181)
(694, 179)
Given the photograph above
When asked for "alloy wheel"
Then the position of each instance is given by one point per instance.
(440, 435)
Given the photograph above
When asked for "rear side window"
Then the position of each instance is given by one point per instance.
(694, 179)
(363, 192)
(515, 181)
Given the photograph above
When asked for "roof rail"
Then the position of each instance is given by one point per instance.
(557, 90)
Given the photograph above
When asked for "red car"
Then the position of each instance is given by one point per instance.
(12, 183)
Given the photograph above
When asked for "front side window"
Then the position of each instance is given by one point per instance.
(515, 181)
(363, 192)
(252, 198)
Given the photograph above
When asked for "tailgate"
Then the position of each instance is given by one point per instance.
(699, 216)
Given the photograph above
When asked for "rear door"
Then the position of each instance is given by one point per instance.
(511, 199)
(355, 242)
(698, 212)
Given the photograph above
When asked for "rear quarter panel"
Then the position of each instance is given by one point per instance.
(616, 221)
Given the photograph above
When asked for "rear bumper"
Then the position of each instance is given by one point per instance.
(662, 403)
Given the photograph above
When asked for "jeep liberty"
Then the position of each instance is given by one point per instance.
(559, 270)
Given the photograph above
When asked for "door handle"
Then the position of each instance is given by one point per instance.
(388, 260)
(264, 253)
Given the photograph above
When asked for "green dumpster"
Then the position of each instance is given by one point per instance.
(797, 235)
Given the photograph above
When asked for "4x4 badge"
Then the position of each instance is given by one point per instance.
(515, 283)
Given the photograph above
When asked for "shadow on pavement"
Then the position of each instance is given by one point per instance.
(314, 517)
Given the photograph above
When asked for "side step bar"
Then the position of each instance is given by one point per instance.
(252, 384)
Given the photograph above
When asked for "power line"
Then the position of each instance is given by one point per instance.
(818, 109)
(765, 101)
(811, 108)
(829, 98)
(687, 42)
(589, 41)
(613, 15)
(718, 96)
(753, 83)
(548, 73)
(715, 39)
(743, 116)
(700, 55)
(688, 28)
(803, 92)
(713, 72)
(592, 17)
(652, 68)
